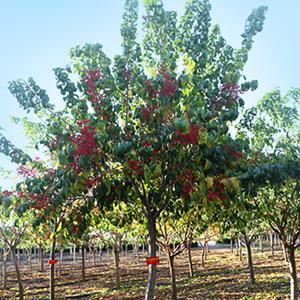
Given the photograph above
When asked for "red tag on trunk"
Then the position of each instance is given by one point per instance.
(52, 261)
(152, 260)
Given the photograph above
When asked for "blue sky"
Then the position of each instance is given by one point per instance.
(36, 36)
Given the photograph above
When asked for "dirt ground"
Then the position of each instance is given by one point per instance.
(222, 277)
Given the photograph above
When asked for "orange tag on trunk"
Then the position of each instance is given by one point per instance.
(152, 260)
(52, 261)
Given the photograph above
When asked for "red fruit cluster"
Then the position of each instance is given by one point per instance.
(75, 228)
(41, 200)
(135, 166)
(188, 138)
(21, 194)
(85, 144)
(147, 143)
(187, 180)
(147, 111)
(169, 87)
(233, 153)
(26, 172)
(217, 192)
(7, 193)
(85, 141)
(90, 79)
(150, 90)
(127, 74)
(90, 182)
(228, 94)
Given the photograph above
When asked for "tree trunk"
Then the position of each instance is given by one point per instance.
(284, 253)
(117, 263)
(74, 254)
(41, 258)
(249, 259)
(61, 252)
(152, 252)
(203, 255)
(191, 270)
(272, 243)
(83, 263)
(261, 245)
(290, 251)
(240, 250)
(231, 245)
(94, 255)
(100, 252)
(18, 274)
(4, 269)
(30, 259)
(172, 276)
(236, 247)
(52, 268)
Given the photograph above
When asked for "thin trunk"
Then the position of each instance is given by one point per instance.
(293, 272)
(203, 255)
(61, 252)
(272, 243)
(18, 274)
(117, 263)
(41, 258)
(100, 252)
(152, 252)
(236, 247)
(83, 263)
(231, 245)
(94, 256)
(249, 259)
(136, 250)
(34, 253)
(240, 250)
(4, 270)
(284, 253)
(172, 276)
(261, 245)
(74, 254)
(191, 270)
(30, 259)
(52, 268)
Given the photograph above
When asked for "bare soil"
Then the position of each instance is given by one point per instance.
(222, 277)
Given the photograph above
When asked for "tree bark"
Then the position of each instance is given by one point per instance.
(52, 269)
(172, 276)
(203, 255)
(30, 259)
(240, 250)
(83, 263)
(290, 251)
(272, 243)
(285, 257)
(74, 254)
(4, 269)
(191, 270)
(117, 263)
(94, 255)
(61, 252)
(249, 259)
(41, 258)
(18, 273)
(152, 252)
(231, 245)
(261, 245)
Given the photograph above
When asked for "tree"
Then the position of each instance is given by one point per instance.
(155, 123)
(273, 176)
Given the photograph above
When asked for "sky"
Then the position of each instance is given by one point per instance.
(36, 37)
